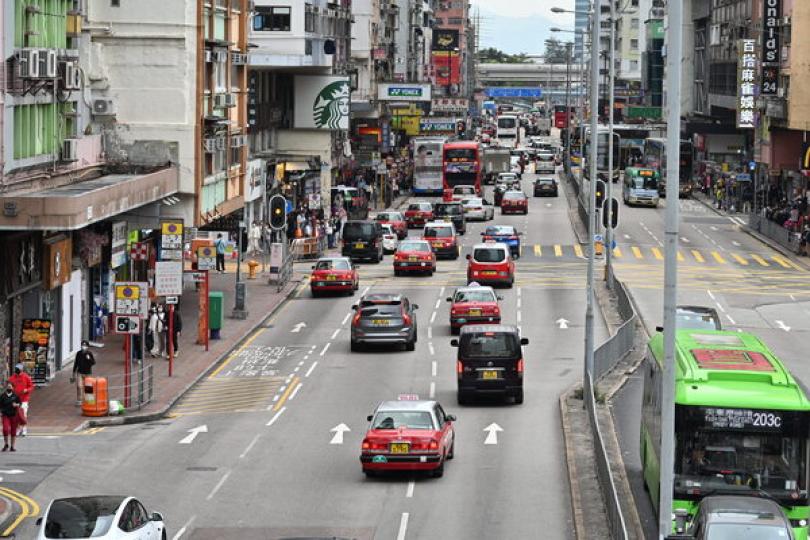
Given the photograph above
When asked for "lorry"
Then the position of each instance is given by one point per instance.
(496, 161)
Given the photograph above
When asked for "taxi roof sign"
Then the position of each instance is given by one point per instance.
(408, 397)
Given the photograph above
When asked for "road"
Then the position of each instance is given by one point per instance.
(753, 288)
(264, 467)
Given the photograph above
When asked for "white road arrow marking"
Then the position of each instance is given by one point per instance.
(563, 323)
(713, 228)
(192, 434)
(297, 328)
(735, 243)
(627, 237)
(783, 326)
(12, 471)
(548, 205)
(338, 431)
(684, 239)
(492, 433)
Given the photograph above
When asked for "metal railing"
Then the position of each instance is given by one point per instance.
(774, 231)
(136, 392)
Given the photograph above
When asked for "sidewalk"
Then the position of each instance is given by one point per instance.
(53, 407)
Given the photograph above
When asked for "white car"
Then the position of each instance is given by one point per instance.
(390, 238)
(544, 163)
(100, 517)
(461, 192)
(478, 208)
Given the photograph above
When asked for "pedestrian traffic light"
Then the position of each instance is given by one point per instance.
(278, 212)
(614, 214)
(600, 193)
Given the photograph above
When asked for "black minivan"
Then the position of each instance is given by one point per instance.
(363, 240)
(489, 362)
(452, 211)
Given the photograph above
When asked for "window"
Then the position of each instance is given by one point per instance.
(115, 3)
(634, 23)
(272, 19)
(633, 44)
(236, 156)
(633, 65)
(308, 47)
(133, 517)
(309, 18)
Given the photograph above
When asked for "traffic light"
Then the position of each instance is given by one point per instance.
(278, 212)
(600, 193)
(614, 203)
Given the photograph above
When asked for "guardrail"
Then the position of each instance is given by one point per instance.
(774, 231)
(137, 391)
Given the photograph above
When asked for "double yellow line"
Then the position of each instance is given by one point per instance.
(28, 508)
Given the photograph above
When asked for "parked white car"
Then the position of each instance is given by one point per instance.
(100, 517)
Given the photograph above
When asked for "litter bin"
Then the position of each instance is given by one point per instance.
(96, 401)
(216, 312)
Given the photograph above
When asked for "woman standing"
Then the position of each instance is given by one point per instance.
(10, 409)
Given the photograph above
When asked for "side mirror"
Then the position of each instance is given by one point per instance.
(157, 516)
(454, 343)
(451, 417)
(659, 328)
(415, 306)
(354, 307)
(368, 418)
(449, 299)
(500, 297)
(524, 341)
(469, 257)
(39, 521)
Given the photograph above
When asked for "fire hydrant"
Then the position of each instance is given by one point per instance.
(252, 265)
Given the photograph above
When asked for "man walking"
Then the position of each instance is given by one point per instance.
(23, 386)
(177, 327)
(82, 367)
(220, 247)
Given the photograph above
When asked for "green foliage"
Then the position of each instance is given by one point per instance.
(491, 55)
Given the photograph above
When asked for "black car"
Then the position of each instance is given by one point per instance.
(500, 189)
(363, 240)
(545, 186)
(453, 212)
(489, 362)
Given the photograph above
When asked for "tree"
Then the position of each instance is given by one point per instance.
(491, 55)
(556, 51)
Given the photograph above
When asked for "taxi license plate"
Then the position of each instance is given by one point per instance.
(331, 278)
(413, 259)
(489, 374)
(489, 273)
(359, 245)
(400, 448)
(475, 312)
(379, 322)
(437, 244)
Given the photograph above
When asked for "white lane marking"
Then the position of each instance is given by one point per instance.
(721, 308)
(409, 492)
(184, 528)
(433, 368)
(627, 237)
(433, 317)
(519, 291)
(365, 291)
(338, 431)
(311, 369)
(219, 485)
(492, 433)
(335, 333)
(737, 244)
(249, 446)
(325, 347)
(296, 369)
(438, 303)
(346, 318)
(518, 302)
(441, 292)
(295, 392)
(730, 319)
(276, 416)
(432, 389)
(431, 349)
(403, 526)
(684, 239)
(519, 316)
(430, 332)
(712, 227)
(711, 295)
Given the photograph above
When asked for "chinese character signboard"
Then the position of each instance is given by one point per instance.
(118, 246)
(206, 258)
(131, 298)
(168, 278)
(171, 240)
(746, 84)
(771, 19)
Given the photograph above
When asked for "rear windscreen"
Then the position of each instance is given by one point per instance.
(358, 230)
(489, 255)
(513, 196)
(381, 310)
(438, 232)
(489, 345)
(332, 265)
(449, 210)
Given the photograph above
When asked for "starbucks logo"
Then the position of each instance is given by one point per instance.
(331, 105)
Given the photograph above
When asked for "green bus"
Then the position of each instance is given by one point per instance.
(741, 423)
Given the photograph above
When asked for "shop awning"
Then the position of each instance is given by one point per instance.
(73, 206)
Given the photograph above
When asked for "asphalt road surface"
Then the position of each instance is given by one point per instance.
(268, 464)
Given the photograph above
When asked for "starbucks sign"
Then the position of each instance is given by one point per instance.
(322, 102)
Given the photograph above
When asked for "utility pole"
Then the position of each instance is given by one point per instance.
(589, 339)
(674, 51)
(583, 76)
(567, 107)
(609, 191)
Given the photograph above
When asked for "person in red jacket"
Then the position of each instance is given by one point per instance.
(23, 386)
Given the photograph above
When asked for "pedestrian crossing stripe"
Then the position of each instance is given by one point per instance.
(617, 252)
(229, 394)
(739, 259)
(657, 253)
(558, 250)
(578, 250)
(637, 252)
(699, 257)
(759, 259)
(538, 251)
(681, 258)
(719, 258)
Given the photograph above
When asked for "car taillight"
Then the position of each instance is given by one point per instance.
(434, 445)
(459, 367)
(356, 319)
(406, 319)
(366, 445)
(520, 366)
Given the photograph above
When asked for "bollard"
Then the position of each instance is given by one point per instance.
(252, 265)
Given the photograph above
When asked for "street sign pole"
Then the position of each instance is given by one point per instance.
(589, 309)
(127, 356)
(609, 195)
(674, 51)
(171, 339)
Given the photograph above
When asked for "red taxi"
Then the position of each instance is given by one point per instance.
(491, 263)
(396, 220)
(414, 256)
(418, 214)
(408, 435)
(442, 238)
(334, 274)
(514, 202)
(473, 305)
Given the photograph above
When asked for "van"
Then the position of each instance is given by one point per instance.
(489, 362)
(641, 186)
(363, 240)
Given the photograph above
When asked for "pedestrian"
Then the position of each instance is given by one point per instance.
(150, 336)
(220, 247)
(156, 330)
(254, 236)
(177, 328)
(82, 367)
(10, 409)
(163, 328)
(23, 386)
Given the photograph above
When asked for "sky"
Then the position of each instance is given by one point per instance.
(523, 25)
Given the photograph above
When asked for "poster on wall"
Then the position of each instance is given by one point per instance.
(322, 102)
(35, 348)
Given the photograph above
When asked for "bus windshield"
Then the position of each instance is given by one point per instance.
(507, 122)
(643, 183)
(460, 154)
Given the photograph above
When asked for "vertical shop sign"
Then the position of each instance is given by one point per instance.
(746, 84)
(171, 240)
(34, 348)
(118, 245)
(771, 19)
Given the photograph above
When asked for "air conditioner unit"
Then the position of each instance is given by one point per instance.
(51, 64)
(786, 20)
(210, 145)
(220, 101)
(780, 92)
(238, 140)
(70, 150)
(209, 56)
(230, 100)
(221, 56)
(238, 59)
(220, 143)
(71, 76)
(28, 60)
(103, 107)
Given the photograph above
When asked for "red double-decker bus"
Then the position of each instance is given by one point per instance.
(461, 166)
(559, 116)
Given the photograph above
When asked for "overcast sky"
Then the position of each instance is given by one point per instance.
(521, 25)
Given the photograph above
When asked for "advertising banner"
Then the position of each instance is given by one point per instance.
(322, 102)
(746, 84)
(445, 39)
(403, 92)
(118, 245)
(771, 20)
